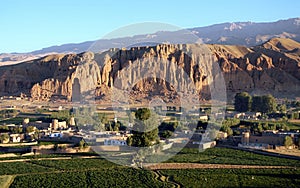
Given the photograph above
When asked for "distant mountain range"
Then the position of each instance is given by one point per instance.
(237, 33)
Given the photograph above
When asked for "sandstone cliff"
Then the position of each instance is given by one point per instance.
(270, 68)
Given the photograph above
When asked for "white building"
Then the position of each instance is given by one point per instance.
(206, 145)
(15, 138)
(112, 142)
(56, 135)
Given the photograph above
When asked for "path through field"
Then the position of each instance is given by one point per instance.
(163, 166)
(162, 178)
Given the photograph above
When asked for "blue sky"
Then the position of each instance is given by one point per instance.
(28, 25)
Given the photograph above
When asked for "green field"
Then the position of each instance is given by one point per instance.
(193, 155)
(98, 172)
(125, 177)
(96, 175)
(229, 156)
(235, 177)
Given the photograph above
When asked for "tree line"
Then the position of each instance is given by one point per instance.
(244, 102)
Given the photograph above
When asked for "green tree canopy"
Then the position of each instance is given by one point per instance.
(4, 137)
(82, 144)
(30, 129)
(166, 134)
(143, 114)
(17, 130)
(281, 108)
(226, 129)
(264, 104)
(103, 118)
(242, 102)
(288, 141)
(145, 129)
(62, 115)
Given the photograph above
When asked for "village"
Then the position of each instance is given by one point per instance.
(56, 127)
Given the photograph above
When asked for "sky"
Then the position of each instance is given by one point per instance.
(27, 25)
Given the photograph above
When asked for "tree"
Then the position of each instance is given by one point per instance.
(145, 130)
(295, 115)
(166, 134)
(295, 104)
(143, 114)
(62, 115)
(170, 126)
(109, 127)
(281, 108)
(4, 128)
(129, 141)
(81, 144)
(272, 126)
(4, 137)
(231, 122)
(103, 118)
(35, 136)
(229, 131)
(266, 126)
(269, 104)
(17, 130)
(55, 147)
(30, 129)
(116, 126)
(288, 141)
(256, 104)
(242, 102)
(264, 104)
(236, 133)
(226, 129)
(8, 113)
(260, 128)
(286, 128)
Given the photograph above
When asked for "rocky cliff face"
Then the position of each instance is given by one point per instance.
(270, 68)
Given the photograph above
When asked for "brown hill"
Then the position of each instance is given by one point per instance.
(281, 44)
(270, 68)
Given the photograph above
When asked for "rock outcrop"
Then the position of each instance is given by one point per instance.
(270, 68)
